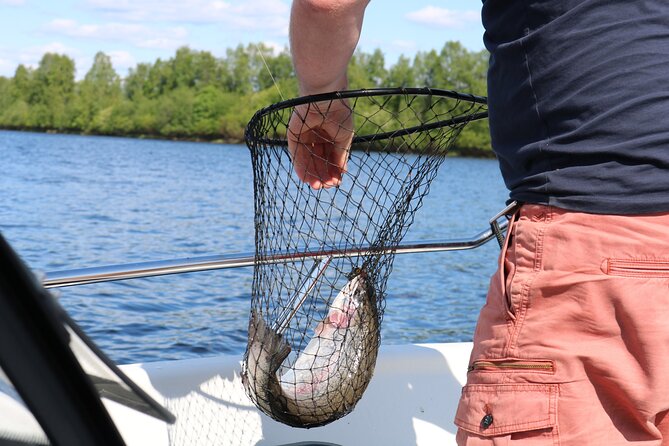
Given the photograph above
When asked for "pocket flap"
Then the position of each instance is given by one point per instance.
(499, 409)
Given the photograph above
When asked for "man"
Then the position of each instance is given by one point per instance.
(572, 345)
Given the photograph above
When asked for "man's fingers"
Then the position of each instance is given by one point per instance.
(308, 165)
(319, 148)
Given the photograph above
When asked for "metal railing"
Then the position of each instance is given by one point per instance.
(206, 263)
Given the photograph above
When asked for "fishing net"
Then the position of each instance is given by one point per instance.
(338, 179)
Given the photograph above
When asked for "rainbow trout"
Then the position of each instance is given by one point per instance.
(330, 375)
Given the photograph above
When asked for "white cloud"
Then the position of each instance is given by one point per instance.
(137, 34)
(268, 15)
(443, 18)
(12, 2)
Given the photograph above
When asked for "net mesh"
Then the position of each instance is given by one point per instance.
(338, 179)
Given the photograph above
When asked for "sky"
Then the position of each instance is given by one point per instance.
(134, 31)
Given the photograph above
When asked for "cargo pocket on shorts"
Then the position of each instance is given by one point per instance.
(514, 411)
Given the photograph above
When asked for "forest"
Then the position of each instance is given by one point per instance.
(197, 96)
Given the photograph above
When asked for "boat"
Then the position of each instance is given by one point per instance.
(411, 399)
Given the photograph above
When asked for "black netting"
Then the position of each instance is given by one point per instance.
(325, 226)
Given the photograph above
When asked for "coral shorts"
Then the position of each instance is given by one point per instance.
(572, 345)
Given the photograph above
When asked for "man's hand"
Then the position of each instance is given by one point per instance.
(319, 141)
(323, 36)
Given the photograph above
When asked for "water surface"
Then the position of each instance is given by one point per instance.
(78, 201)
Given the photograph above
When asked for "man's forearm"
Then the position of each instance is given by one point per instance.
(323, 37)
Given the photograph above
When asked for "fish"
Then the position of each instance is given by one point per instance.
(329, 375)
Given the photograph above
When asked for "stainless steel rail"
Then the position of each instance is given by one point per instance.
(110, 273)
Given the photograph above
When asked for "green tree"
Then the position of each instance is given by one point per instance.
(136, 83)
(146, 116)
(401, 74)
(22, 83)
(206, 69)
(100, 90)
(17, 116)
(208, 108)
(103, 77)
(157, 79)
(6, 100)
(269, 68)
(223, 75)
(182, 69)
(241, 80)
(428, 70)
(191, 69)
(52, 91)
(176, 113)
(375, 67)
(462, 70)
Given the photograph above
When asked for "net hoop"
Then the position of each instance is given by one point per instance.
(249, 135)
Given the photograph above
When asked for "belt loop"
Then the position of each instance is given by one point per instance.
(497, 229)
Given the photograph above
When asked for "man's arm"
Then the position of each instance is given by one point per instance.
(323, 37)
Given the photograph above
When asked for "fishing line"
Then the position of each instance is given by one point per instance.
(269, 71)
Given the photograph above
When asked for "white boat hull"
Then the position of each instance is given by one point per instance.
(411, 400)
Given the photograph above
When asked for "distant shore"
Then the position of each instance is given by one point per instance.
(467, 152)
(214, 139)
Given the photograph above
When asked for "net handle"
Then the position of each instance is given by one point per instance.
(294, 305)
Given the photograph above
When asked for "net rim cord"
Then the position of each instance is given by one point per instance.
(395, 133)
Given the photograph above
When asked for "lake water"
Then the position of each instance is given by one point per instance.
(79, 201)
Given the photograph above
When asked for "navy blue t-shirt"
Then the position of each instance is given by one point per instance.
(578, 94)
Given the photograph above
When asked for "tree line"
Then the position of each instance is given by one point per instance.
(195, 95)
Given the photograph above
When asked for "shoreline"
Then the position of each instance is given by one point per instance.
(459, 152)
(198, 138)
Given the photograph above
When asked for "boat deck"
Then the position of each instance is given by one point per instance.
(411, 399)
